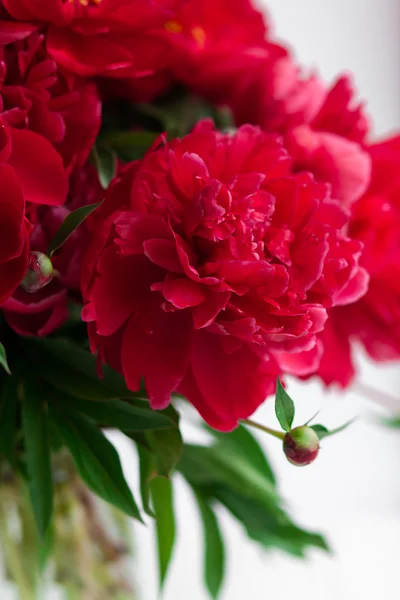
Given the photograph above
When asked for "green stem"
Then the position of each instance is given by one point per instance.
(278, 434)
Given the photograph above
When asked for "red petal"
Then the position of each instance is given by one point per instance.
(182, 293)
(225, 387)
(205, 313)
(55, 11)
(39, 313)
(159, 355)
(12, 32)
(331, 158)
(13, 271)
(354, 290)
(134, 229)
(82, 126)
(39, 168)
(121, 288)
(38, 324)
(86, 55)
(12, 206)
(336, 364)
(300, 363)
(163, 253)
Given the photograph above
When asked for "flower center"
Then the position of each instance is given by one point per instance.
(173, 27)
(85, 2)
(197, 33)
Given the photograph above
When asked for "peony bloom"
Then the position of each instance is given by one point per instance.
(217, 44)
(122, 39)
(41, 312)
(211, 268)
(375, 319)
(48, 123)
(324, 129)
(53, 119)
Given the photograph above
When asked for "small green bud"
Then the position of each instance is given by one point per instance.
(40, 272)
(301, 445)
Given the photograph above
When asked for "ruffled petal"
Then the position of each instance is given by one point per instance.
(39, 168)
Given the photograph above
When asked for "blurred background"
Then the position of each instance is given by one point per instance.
(352, 492)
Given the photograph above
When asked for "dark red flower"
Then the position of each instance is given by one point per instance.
(53, 119)
(48, 122)
(324, 129)
(375, 319)
(122, 39)
(41, 312)
(211, 269)
(217, 43)
(14, 233)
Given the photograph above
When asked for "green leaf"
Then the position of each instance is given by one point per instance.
(284, 407)
(95, 458)
(129, 145)
(46, 547)
(242, 442)
(162, 498)
(120, 414)
(69, 225)
(214, 551)
(167, 447)
(249, 496)
(242, 484)
(105, 161)
(8, 417)
(3, 360)
(269, 528)
(72, 369)
(322, 432)
(146, 470)
(392, 422)
(37, 446)
(178, 113)
(209, 467)
(139, 438)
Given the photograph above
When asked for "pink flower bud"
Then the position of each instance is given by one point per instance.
(40, 272)
(301, 446)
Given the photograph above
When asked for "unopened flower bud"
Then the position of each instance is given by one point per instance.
(301, 446)
(40, 272)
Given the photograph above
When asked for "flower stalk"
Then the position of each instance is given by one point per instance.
(277, 434)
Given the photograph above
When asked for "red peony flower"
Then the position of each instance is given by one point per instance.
(122, 39)
(53, 119)
(211, 269)
(48, 123)
(375, 319)
(14, 233)
(41, 312)
(217, 43)
(325, 129)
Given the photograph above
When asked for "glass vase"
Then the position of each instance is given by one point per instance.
(86, 554)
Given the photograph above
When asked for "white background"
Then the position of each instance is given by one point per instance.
(352, 492)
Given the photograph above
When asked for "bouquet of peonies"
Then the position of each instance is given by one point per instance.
(185, 217)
